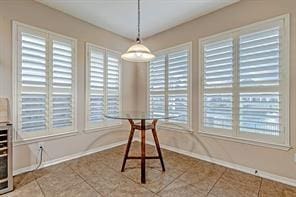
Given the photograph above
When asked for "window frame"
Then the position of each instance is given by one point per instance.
(49, 36)
(284, 139)
(164, 123)
(109, 124)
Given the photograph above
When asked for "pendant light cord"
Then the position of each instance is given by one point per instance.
(139, 38)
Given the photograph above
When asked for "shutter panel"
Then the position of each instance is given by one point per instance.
(113, 77)
(259, 66)
(96, 85)
(178, 71)
(178, 86)
(217, 84)
(259, 58)
(177, 105)
(260, 113)
(217, 110)
(157, 74)
(62, 82)
(218, 64)
(157, 104)
(157, 86)
(33, 92)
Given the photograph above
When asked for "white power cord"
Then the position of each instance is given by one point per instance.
(41, 158)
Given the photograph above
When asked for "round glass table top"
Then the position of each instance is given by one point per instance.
(139, 115)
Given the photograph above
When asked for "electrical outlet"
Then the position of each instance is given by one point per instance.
(40, 144)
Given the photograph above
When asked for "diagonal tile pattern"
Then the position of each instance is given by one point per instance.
(98, 175)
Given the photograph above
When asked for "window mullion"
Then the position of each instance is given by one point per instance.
(105, 89)
(18, 81)
(235, 92)
(49, 79)
(166, 89)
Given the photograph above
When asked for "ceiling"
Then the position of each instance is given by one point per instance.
(120, 16)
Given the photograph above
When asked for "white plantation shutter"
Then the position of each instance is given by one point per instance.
(113, 78)
(218, 63)
(259, 66)
(259, 55)
(62, 84)
(96, 85)
(32, 83)
(260, 113)
(217, 110)
(157, 86)
(169, 85)
(45, 84)
(245, 82)
(217, 84)
(103, 86)
(178, 67)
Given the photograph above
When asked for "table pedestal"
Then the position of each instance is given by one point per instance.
(142, 127)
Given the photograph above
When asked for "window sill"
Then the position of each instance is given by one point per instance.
(246, 141)
(103, 128)
(19, 142)
(177, 128)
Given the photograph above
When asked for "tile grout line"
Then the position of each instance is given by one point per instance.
(85, 180)
(172, 181)
(140, 183)
(260, 186)
(36, 179)
(216, 181)
(39, 185)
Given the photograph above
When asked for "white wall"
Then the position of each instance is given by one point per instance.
(279, 162)
(39, 15)
(245, 12)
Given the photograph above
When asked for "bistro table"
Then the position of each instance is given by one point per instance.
(132, 116)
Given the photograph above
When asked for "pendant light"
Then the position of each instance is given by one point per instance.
(138, 52)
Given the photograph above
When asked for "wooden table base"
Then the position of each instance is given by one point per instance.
(143, 127)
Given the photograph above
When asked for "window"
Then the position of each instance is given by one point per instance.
(245, 82)
(169, 89)
(103, 86)
(44, 76)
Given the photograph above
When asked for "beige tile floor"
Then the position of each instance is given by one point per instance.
(99, 175)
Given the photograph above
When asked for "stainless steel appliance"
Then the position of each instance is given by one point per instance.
(6, 178)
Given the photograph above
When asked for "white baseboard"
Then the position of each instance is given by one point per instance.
(238, 167)
(227, 164)
(68, 157)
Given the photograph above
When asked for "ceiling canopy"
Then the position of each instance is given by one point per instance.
(120, 16)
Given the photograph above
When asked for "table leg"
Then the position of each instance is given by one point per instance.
(143, 152)
(157, 144)
(128, 144)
